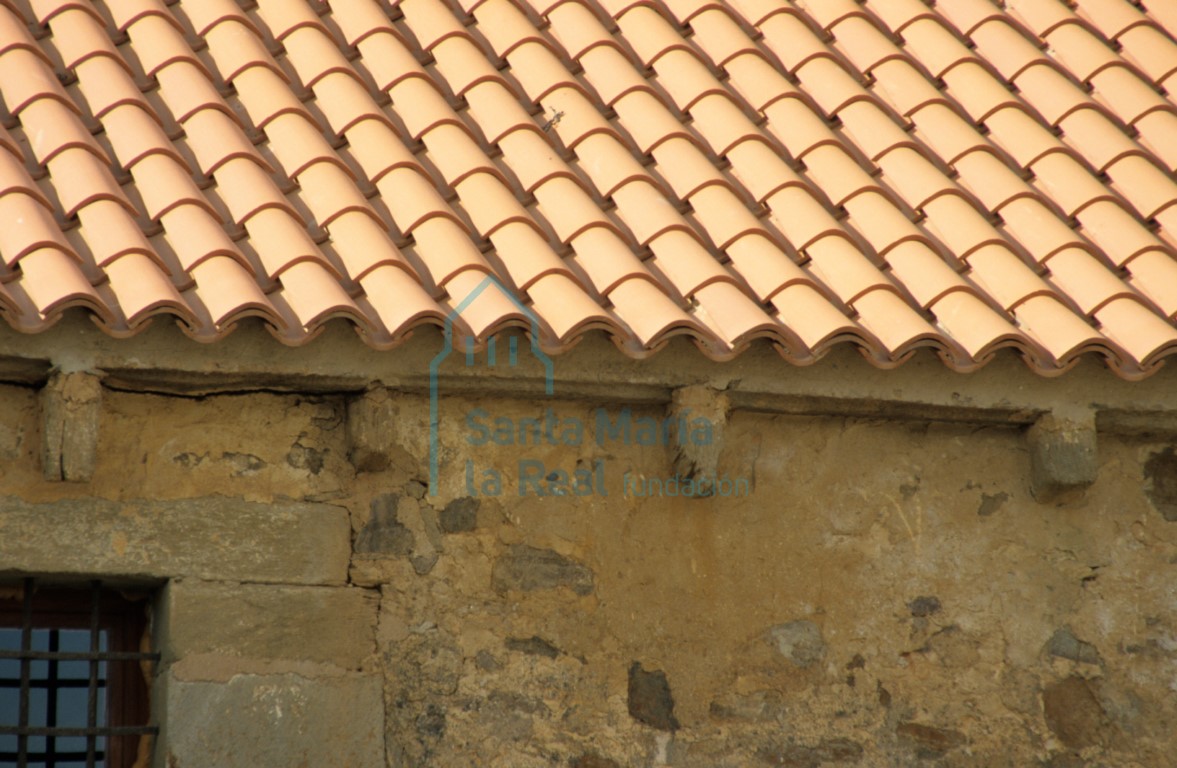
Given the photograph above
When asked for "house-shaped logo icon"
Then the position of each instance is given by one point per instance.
(491, 360)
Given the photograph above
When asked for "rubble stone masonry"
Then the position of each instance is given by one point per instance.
(889, 592)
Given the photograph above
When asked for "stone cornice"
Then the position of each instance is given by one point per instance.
(162, 359)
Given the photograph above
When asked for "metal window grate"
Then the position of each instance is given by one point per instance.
(73, 686)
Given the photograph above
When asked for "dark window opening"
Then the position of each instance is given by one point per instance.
(73, 677)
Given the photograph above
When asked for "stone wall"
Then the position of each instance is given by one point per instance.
(887, 592)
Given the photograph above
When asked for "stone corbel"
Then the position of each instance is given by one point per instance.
(1063, 461)
(700, 417)
(71, 406)
(370, 417)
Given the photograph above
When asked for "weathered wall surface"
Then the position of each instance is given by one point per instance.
(887, 593)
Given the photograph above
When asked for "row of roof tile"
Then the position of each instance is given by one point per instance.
(963, 177)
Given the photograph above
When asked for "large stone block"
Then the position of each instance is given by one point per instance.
(212, 538)
(268, 622)
(272, 720)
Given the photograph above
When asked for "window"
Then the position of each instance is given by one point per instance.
(73, 680)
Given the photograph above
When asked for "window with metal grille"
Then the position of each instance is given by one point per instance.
(73, 677)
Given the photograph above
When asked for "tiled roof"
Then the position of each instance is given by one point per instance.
(887, 174)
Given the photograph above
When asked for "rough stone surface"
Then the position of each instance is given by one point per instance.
(854, 524)
(1063, 459)
(11, 441)
(423, 671)
(530, 568)
(649, 700)
(417, 489)
(829, 751)
(929, 741)
(1065, 645)
(922, 607)
(591, 760)
(756, 706)
(799, 641)
(534, 646)
(211, 538)
(486, 661)
(991, 503)
(1160, 474)
(1074, 714)
(426, 663)
(278, 720)
(253, 623)
(459, 516)
(384, 532)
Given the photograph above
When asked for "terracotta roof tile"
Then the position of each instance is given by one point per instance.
(53, 281)
(195, 236)
(724, 217)
(1163, 15)
(280, 241)
(1037, 228)
(446, 250)
(899, 328)
(235, 47)
(1154, 274)
(802, 217)
(567, 309)
(1064, 335)
(1026, 139)
(142, 289)
(685, 263)
(993, 182)
(976, 327)
(1111, 17)
(607, 260)
(27, 227)
(27, 78)
(652, 317)
(570, 210)
(1156, 130)
(1137, 330)
(135, 136)
(845, 270)
(314, 294)
(883, 224)
(526, 255)
(888, 174)
(225, 292)
(1117, 232)
(733, 317)
(817, 324)
(1152, 51)
(110, 232)
(14, 177)
(398, 304)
